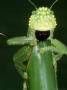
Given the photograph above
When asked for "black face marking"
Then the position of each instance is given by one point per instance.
(42, 35)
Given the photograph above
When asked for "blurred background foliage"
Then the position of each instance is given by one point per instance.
(14, 16)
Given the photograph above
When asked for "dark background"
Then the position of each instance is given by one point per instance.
(14, 16)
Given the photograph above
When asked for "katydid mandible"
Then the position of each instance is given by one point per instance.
(36, 60)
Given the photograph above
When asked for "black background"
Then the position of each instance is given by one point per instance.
(14, 16)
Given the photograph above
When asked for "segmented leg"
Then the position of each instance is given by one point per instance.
(25, 81)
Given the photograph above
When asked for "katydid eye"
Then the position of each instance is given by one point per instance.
(42, 35)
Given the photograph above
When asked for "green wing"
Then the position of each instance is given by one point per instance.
(20, 57)
(58, 46)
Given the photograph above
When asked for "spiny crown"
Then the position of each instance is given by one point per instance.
(42, 19)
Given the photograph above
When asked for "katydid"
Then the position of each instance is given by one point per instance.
(36, 60)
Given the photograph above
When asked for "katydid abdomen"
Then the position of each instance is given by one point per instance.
(41, 73)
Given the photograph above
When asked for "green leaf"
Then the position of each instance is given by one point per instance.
(59, 46)
(19, 40)
(20, 57)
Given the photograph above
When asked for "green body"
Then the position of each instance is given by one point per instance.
(41, 67)
(41, 70)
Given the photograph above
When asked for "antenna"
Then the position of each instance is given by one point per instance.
(53, 3)
(2, 34)
(32, 4)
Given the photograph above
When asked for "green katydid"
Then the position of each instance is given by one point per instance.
(36, 60)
